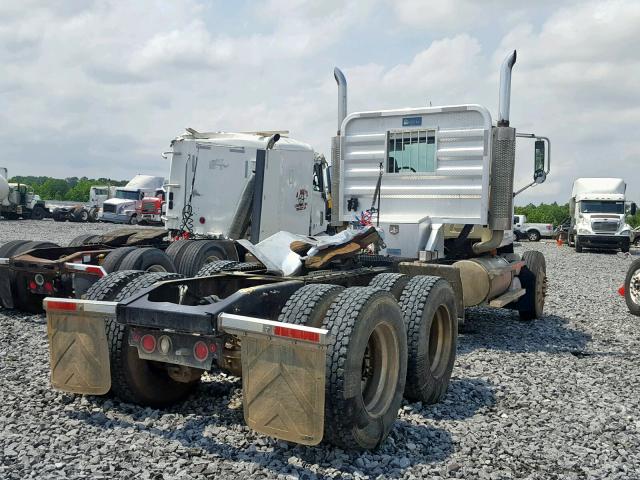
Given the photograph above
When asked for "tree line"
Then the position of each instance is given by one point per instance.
(556, 214)
(71, 188)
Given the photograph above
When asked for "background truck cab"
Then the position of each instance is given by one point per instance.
(598, 209)
(123, 207)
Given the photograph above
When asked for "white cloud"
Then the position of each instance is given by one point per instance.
(91, 86)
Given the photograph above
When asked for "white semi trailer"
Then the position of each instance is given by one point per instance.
(597, 208)
(327, 340)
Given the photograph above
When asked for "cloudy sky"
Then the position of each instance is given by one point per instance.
(99, 88)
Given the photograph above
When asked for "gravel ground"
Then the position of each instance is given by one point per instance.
(553, 398)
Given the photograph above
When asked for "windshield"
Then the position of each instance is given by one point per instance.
(127, 194)
(600, 206)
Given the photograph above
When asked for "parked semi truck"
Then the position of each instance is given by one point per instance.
(597, 209)
(221, 186)
(18, 200)
(127, 201)
(327, 339)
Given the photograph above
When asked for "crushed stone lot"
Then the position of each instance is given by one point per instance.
(558, 397)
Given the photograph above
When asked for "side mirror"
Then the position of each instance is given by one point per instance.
(633, 208)
(539, 175)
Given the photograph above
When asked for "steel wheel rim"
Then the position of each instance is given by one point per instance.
(439, 348)
(380, 367)
(156, 269)
(634, 287)
(532, 236)
(211, 259)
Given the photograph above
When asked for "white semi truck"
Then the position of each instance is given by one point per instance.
(124, 206)
(327, 339)
(597, 209)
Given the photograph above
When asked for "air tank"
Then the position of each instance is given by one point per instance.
(483, 279)
(4, 185)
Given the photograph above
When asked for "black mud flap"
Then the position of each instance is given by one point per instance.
(5, 288)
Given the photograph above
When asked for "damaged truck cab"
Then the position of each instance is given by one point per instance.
(328, 333)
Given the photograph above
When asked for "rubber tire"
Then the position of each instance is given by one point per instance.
(625, 248)
(533, 236)
(309, 304)
(633, 307)
(114, 258)
(133, 219)
(422, 297)
(578, 244)
(11, 216)
(23, 299)
(145, 258)
(82, 240)
(196, 255)
(394, 283)
(38, 213)
(83, 216)
(7, 250)
(216, 267)
(93, 215)
(350, 320)
(530, 305)
(131, 379)
(176, 250)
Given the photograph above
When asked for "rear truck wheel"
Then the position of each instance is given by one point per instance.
(533, 278)
(38, 213)
(198, 254)
(149, 259)
(429, 311)
(533, 236)
(366, 367)
(83, 216)
(578, 244)
(394, 283)
(114, 258)
(132, 379)
(216, 267)
(632, 288)
(57, 217)
(7, 250)
(176, 250)
(309, 304)
(82, 240)
(10, 216)
(93, 215)
(133, 219)
(24, 299)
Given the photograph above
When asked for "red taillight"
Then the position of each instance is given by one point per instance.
(57, 305)
(297, 334)
(213, 348)
(200, 351)
(202, 220)
(95, 270)
(148, 343)
(621, 291)
(32, 285)
(48, 287)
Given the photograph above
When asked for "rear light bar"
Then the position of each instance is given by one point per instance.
(239, 325)
(4, 261)
(89, 269)
(72, 305)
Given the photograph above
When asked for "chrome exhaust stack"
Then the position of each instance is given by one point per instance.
(336, 147)
(503, 156)
(504, 100)
(342, 96)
